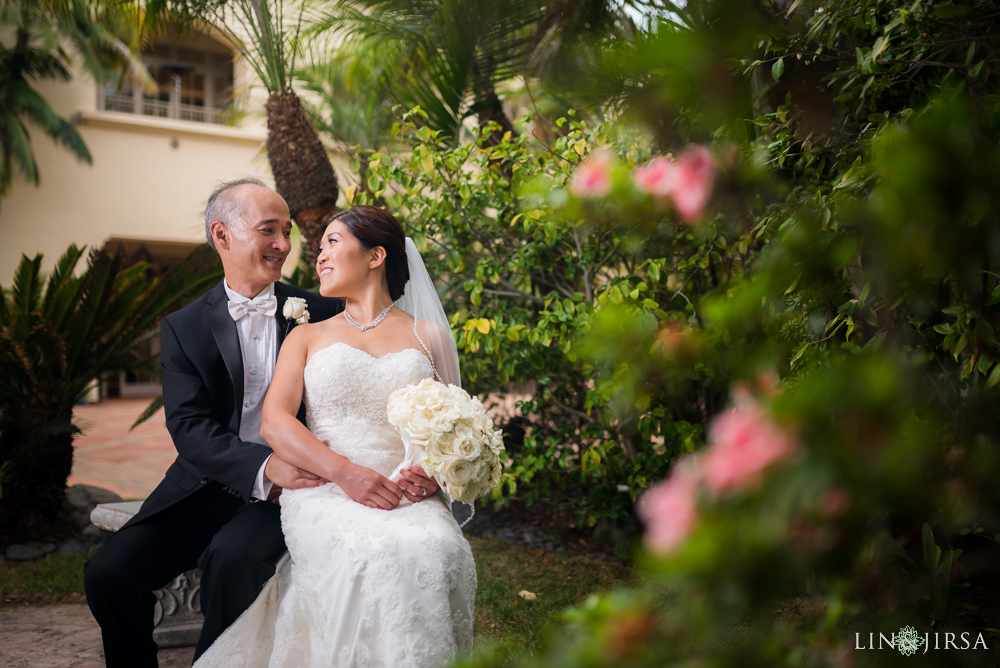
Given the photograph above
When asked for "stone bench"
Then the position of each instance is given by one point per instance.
(177, 617)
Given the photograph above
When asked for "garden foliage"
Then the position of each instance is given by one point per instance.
(525, 279)
(841, 291)
(60, 334)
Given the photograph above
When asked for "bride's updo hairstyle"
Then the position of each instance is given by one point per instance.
(372, 227)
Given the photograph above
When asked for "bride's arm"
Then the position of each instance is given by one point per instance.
(293, 443)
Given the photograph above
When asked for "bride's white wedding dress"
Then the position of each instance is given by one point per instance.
(359, 586)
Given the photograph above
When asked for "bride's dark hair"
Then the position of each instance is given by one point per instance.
(372, 227)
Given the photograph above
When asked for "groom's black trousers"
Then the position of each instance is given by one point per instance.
(235, 544)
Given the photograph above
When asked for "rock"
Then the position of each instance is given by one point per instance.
(47, 548)
(95, 532)
(82, 499)
(23, 553)
(70, 547)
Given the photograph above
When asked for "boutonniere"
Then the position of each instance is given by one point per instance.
(295, 309)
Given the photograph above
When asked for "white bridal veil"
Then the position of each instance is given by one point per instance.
(430, 324)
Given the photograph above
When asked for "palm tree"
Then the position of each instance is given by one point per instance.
(453, 57)
(58, 335)
(302, 171)
(102, 34)
(444, 55)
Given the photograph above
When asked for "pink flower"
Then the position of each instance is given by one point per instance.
(668, 508)
(658, 178)
(744, 442)
(835, 501)
(592, 177)
(693, 182)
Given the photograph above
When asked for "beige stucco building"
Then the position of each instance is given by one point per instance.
(157, 155)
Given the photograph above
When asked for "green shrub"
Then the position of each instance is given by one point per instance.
(526, 272)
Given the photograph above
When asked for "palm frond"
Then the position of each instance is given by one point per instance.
(155, 405)
(37, 108)
(27, 288)
(63, 289)
(17, 149)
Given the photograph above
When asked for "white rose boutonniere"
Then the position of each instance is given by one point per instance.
(295, 309)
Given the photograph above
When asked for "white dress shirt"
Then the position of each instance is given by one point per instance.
(259, 346)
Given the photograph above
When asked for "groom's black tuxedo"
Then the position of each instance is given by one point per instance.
(203, 395)
(201, 512)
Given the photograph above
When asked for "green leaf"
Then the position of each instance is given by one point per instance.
(149, 412)
(778, 69)
(994, 377)
(932, 553)
(802, 351)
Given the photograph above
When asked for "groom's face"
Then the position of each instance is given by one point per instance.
(255, 248)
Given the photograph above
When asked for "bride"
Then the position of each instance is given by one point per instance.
(377, 572)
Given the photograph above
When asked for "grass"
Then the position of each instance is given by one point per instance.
(505, 621)
(513, 625)
(57, 578)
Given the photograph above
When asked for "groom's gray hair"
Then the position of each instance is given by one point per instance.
(224, 206)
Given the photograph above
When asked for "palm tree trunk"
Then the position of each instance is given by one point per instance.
(302, 171)
(487, 104)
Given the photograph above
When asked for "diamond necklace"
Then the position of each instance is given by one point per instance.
(363, 328)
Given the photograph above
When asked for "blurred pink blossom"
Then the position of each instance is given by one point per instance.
(592, 177)
(693, 182)
(658, 177)
(835, 501)
(743, 442)
(668, 508)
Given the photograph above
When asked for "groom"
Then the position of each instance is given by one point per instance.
(211, 509)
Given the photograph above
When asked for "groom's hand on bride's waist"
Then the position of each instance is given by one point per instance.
(286, 476)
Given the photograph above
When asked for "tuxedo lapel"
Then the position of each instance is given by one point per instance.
(282, 324)
(226, 337)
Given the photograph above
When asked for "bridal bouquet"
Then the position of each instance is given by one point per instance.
(448, 433)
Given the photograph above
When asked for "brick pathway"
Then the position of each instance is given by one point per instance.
(108, 455)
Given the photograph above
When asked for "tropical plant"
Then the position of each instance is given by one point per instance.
(38, 42)
(349, 103)
(526, 279)
(454, 58)
(846, 492)
(60, 334)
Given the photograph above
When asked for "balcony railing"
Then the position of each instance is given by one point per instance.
(142, 106)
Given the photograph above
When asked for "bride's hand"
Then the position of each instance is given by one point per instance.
(416, 484)
(370, 488)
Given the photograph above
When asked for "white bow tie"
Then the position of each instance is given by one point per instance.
(263, 305)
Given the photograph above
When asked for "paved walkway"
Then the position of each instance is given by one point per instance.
(109, 455)
(62, 636)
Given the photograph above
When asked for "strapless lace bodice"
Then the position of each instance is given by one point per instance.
(346, 394)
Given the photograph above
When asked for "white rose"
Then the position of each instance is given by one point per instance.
(295, 309)
(441, 424)
(468, 448)
(457, 472)
(496, 442)
(419, 429)
(441, 447)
